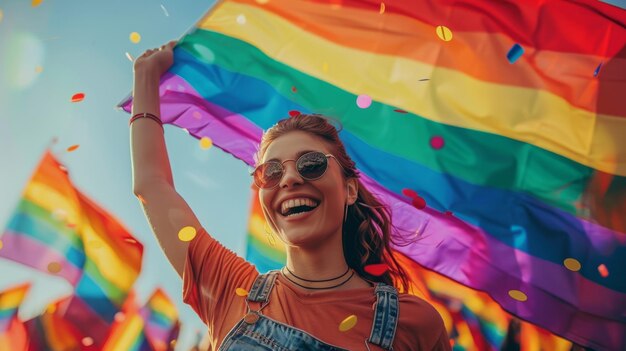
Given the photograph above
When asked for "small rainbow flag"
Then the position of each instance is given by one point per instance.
(128, 332)
(59, 230)
(50, 331)
(12, 331)
(507, 118)
(161, 321)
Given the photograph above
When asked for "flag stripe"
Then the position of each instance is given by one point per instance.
(406, 37)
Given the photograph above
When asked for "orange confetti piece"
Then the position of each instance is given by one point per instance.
(51, 308)
(377, 269)
(572, 264)
(78, 97)
(73, 148)
(54, 267)
(518, 295)
(187, 233)
(382, 8)
(604, 272)
(241, 292)
(35, 3)
(348, 323)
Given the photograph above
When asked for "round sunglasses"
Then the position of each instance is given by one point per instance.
(310, 166)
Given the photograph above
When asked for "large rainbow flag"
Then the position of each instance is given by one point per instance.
(12, 331)
(507, 118)
(59, 230)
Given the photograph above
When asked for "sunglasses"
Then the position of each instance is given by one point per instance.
(310, 166)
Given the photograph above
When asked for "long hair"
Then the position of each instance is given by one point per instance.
(367, 229)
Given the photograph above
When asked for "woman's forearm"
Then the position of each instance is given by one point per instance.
(149, 157)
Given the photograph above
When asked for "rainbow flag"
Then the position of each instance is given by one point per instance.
(59, 230)
(12, 332)
(128, 332)
(161, 321)
(50, 331)
(506, 117)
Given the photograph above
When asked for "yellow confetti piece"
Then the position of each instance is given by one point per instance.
(572, 264)
(187, 233)
(241, 292)
(348, 323)
(51, 308)
(54, 267)
(35, 3)
(206, 143)
(382, 8)
(130, 57)
(1, 245)
(518, 295)
(135, 37)
(73, 148)
(241, 19)
(87, 341)
(38, 69)
(444, 33)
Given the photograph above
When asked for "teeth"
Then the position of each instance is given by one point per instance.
(297, 202)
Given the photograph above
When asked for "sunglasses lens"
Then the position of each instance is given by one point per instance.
(312, 165)
(268, 174)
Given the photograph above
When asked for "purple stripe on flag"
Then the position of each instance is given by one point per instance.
(24, 249)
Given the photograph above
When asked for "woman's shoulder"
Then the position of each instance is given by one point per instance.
(416, 312)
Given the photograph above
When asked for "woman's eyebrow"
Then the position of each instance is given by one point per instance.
(297, 155)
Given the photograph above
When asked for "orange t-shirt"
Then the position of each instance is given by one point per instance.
(213, 273)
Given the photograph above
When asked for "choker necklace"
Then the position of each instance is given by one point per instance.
(318, 281)
(308, 287)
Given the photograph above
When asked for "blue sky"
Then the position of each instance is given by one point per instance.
(80, 47)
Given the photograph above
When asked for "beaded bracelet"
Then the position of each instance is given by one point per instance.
(147, 115)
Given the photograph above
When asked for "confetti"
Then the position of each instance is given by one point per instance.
(78, 97)
(1, 244)
(59, 214)
(38, 69)
(63, 168)
(51, 308)
(187, 233)
(444, 33)
(348, 323)
(54, 267)
(135, 37)
(130, 240)
(241, 292)
(120, 316)
(436, 142)
(419, 203)
(424, 79)
(382, 8)
(130, 57)
(409, 193)
(173, 343)
(377, 269)
(35, 3)
(241, 19)
(87, 341)
(293, 89)
(294, 113)
(1, 15)
(572, 264)
(165, 11)
(515, 53)
(604, 272)
(363, 101)
(206, 143)
(73, 148)
(518, 295)
(449, 213)
(196, 114)
(595, 73)
(400, 111)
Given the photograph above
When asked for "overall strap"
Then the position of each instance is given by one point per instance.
(262, 287)
(385, 316)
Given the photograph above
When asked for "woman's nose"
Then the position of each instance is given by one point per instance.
(290, 175)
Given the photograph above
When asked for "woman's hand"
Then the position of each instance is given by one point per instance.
(155, 61)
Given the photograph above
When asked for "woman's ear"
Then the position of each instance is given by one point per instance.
(352, 190)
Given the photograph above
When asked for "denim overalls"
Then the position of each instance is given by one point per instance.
(259, 333)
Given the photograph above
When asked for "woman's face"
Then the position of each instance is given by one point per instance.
(329, 192)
